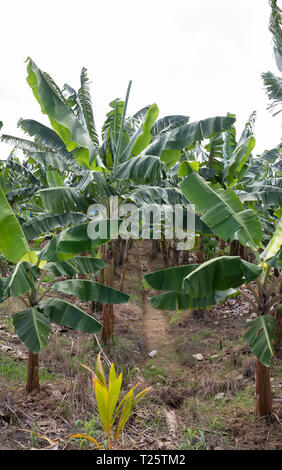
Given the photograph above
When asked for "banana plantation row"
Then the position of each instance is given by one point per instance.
(51, 178)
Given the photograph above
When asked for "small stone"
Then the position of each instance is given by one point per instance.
(199, 357)
(219, 396)
(153, 353)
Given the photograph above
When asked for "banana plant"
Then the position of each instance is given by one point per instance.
(272, 82)
(199, 286)
(80, 170)
(32, 324)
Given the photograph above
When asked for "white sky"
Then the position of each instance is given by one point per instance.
(201, 58)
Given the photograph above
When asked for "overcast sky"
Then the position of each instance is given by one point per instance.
(201, 58)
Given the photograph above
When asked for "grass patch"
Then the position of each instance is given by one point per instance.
(154, 373)
(15, 371)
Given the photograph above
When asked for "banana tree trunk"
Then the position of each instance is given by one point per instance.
(175, 258)
(200, 252)
(108, 309)
(165, 251)
(263, 391)
(123, 271)
(185, 257)
(234, 248)
(155, 248)
(32, 373)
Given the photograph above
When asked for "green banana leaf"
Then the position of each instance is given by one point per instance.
(13, 243)
(54, 178)
(44, 223)
(33, 328)
(167, 145)
(76, 240)
(275, 243)
(276, 261)
(91, 291)
(70, 127)
(270, 196)
(86, 104)
(142, 137)
(260, 336)
(66, 314)
(144, 169)
(223, 211)
(168, 279)
(55, 161)
(220, 273)
(43, 134)
(180, 300)
(22, 279)
(168, 123)
(76, 265)
(62, 199)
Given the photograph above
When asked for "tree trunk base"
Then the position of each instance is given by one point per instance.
(32, 373)
(263, 391)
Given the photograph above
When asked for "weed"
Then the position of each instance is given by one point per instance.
(11, 370)
(9, 326)
(194, 440)
(207, 333)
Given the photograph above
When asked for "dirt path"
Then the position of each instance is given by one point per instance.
(156, 328)
(158, 338)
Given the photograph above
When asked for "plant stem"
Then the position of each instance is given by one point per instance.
(249, 300)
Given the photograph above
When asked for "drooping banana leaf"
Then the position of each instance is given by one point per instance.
(22, 193)
(23, 144)
(63, 313)
(168, 279)
(220, 273)
(43, 134)
(55, 161)
(33, 328)
(62, 199)
(54, 179)
(270, 196)
(168, 123)
(13, 243)
(260, 336)
(167, 145)
(144, 169)
(180, 300)
(91, 291)
(176, 297)
(223, 211)
(22, 279)
(275, 243)
(76, 239)
(170, 196)
(46, 222)
(273, 86)
(76, 265)
(271, 156)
